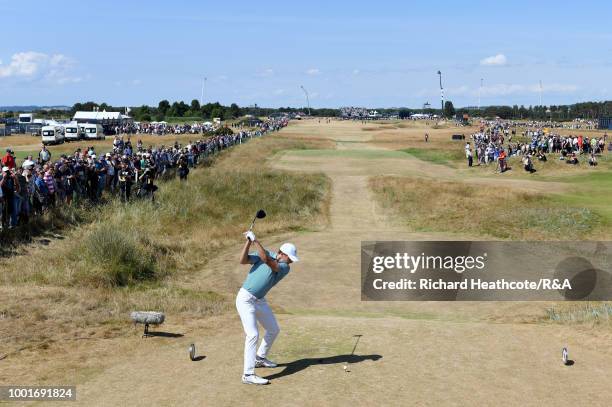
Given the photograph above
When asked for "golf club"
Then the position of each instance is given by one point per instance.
(346, 367)
(259, 215)
(356, 342)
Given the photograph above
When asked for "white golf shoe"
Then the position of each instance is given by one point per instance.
(263, 362)
(254, 379)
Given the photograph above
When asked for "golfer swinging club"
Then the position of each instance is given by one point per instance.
(267, 269)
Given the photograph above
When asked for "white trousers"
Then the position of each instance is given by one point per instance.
(253, 310)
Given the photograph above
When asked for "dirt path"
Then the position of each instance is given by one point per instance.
(396, 362)
(408, 354)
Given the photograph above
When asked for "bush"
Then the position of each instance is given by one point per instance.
(223, 131)
(115, 256)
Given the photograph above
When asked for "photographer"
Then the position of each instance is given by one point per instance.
(183, 167)
(147, 187)
(126, 179)
(10, 189)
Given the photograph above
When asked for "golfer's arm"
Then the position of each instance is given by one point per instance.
(265, 258)
(261, 251)
(244, 256)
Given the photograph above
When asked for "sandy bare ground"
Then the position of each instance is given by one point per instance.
(409, 353)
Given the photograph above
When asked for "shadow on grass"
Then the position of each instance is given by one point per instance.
(165, 334)
(301, 364)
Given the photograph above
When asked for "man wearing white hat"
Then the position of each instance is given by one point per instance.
(267, 269)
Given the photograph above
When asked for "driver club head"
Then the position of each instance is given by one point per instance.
(259, 215)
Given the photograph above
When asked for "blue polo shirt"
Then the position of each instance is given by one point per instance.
(261, 277)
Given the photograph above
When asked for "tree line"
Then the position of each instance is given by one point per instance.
(179, 109)
(583, 110)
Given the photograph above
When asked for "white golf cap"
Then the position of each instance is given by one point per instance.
(290, 250)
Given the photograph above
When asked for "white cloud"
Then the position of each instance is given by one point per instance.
(498, 90)
(24, 64)
(355, 71)
(266, 73)
(460, 90)
(31, 65)
(313, 71)
(555, 88)
(502, 89)
(136, 82)
(279, 91)
(64, 80)
(495, 60)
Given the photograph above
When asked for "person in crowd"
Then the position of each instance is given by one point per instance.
(528, 164)
(9, 159)
(125, 177)
(44, 156)
(503, 166)
(36, 185)
(146, 179)
(183, 167)
(10, 188)
(40, 193)
(50, 183)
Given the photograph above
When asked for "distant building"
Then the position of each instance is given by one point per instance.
(108, 120)
(605, 123)
(103, 118)
(251, 121)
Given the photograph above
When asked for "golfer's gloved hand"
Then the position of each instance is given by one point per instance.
(250, 236)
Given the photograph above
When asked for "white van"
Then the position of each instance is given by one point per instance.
(72, 132)
(52, 135)
(26, 118)
(93, 131)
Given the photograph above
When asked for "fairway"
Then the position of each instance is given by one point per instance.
(409, 353)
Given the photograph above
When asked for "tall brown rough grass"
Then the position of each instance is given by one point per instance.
(142, 255)
(442, 206)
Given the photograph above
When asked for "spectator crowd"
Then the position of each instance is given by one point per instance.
(494, 144)
(38, 183)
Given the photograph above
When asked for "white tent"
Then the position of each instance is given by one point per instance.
(98, 117)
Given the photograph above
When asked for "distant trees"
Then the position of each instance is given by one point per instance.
(404, 113)
(585, 110)
(87, 106)
(235, 110)
(195, 105)
(179, 109)
(162, 108)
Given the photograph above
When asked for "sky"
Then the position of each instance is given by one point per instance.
(344, 53)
